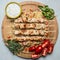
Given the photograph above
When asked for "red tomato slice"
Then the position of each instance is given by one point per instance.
(44, 52)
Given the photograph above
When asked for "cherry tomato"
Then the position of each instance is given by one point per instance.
(34, 56)
(44, 52)
(50, 48)
(32, 48)
(45, 43)
(38, 49)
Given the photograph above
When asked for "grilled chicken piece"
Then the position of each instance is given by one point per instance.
(19, 20)
(30, 26)
(28, 38)
(30, 32)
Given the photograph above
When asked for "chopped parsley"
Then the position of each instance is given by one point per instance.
(14, 46)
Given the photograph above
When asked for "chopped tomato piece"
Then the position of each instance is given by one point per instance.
(45, 43)
(38, 49)
(44, 52)
(50, 48)
(32, 48)
(34, 56)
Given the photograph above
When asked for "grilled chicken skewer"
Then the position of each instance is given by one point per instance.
(29, 38)
(29, 26)
(30, 20)
(30, 32)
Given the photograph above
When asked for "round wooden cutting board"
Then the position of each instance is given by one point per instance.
(7, 30)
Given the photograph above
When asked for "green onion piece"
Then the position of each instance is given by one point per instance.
(47, 12)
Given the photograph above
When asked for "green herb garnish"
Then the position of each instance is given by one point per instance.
(47, 12)
(14, 46)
